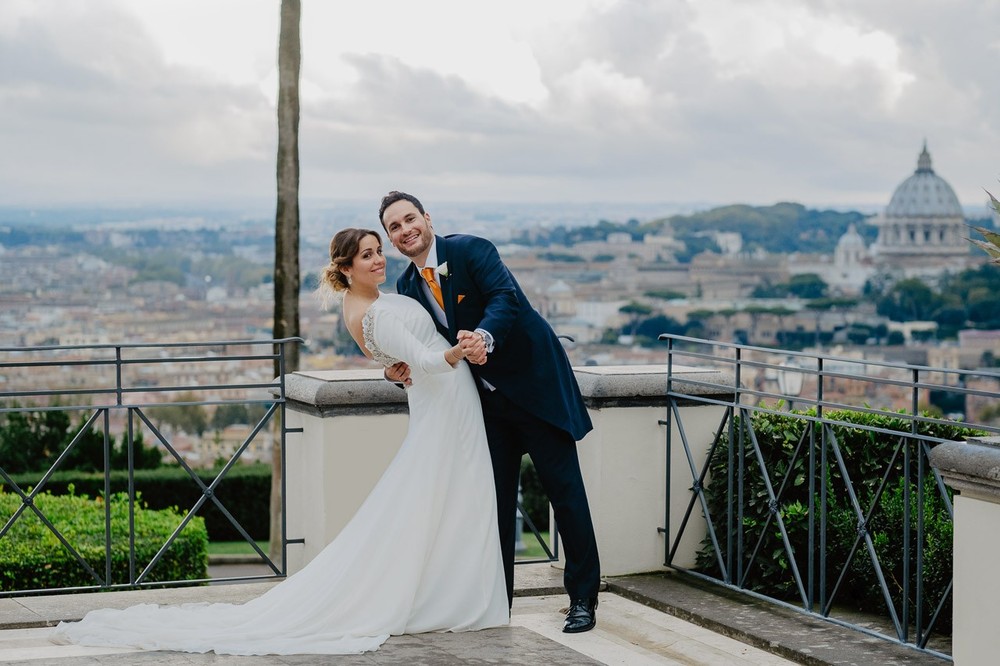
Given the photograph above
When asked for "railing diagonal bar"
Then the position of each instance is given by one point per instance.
(775, 512)
(863, 533)
(698, 496)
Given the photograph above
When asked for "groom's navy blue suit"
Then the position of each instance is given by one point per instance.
(536, 407)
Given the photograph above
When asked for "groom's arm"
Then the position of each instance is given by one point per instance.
(494, 282)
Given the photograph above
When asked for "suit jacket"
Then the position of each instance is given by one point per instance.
(528, 363)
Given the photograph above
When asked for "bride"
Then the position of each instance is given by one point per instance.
(421, 554)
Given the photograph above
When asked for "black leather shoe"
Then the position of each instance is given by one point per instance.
(582, 616)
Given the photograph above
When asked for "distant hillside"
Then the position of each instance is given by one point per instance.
(783, 227)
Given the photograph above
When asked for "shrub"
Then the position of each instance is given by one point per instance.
(245, 492)
(32, 557)
(866, 455)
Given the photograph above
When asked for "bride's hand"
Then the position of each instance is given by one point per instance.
(474, 347)
(399, 373)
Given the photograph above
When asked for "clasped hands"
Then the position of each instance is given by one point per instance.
(473, 346)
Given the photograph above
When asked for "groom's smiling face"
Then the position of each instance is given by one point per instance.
(409, 230)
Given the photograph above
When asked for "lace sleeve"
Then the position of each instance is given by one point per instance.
(368, 333)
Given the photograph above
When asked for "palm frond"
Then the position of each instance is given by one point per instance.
(993, 201)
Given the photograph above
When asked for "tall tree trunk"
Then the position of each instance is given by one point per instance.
(286, 228)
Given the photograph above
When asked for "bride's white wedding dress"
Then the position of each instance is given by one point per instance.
(421, 554)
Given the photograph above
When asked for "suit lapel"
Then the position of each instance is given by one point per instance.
(446, 287)
(412, 284)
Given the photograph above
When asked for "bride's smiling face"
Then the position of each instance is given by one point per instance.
(368, 266)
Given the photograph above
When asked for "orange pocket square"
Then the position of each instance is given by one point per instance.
(460, 297)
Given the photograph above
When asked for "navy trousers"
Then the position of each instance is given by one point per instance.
(513, 432)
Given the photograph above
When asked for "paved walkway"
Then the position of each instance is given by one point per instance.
(698, 627)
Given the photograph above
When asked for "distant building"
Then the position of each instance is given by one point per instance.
(922, 231)
(852, 264)
(729, 242)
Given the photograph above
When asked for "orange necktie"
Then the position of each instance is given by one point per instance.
(428, 274)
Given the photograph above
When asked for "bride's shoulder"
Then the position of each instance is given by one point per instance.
(393, 302)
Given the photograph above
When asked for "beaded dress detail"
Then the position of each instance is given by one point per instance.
(368, 334)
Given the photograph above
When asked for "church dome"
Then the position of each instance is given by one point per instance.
(924, 194)
(851, 239)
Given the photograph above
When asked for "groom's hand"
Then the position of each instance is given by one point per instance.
(399, 373)
(473, 345)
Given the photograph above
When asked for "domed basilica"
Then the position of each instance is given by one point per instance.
(922, 232)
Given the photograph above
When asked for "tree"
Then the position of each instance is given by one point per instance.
(807, 285)
(909, 300)
(189, 418)
(286, 232)
(228, 414)
(652, 327)
(665, 294)
(30, 441)
(635, 310)
(287, 281)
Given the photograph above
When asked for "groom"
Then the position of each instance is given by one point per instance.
(531, 401)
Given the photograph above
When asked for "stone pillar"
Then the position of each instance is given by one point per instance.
(972, 469)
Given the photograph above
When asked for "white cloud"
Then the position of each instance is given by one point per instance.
(721, 100)
(790, 44)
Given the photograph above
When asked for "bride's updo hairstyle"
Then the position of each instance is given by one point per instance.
(343, 248)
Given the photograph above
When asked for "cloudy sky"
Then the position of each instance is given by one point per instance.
(716, 101)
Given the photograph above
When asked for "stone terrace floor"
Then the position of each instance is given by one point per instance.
(642, 620)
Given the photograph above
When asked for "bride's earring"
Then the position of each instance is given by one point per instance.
(348, 280)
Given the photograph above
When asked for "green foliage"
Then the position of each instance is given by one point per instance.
(909, 300)
(665, 294)
(32, 441)
(233, 413)
(808, 285)
(32, 557)
(245, 492)
(561, 256)
(962, 300)
(189, 418)
(866, 457)
(649, 329)
(781, 228)
(832, 303)
(634, 308)
(991, 244)
(694, 244)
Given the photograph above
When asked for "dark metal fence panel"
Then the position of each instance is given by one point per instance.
(816, 491)
(119, 386)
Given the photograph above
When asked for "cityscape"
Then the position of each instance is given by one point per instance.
(608, 283)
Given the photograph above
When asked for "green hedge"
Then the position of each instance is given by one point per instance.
(866, 455)
(245, 492)
(32, 557)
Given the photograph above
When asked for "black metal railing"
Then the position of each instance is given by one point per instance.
(120, 386)
(815, 491)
